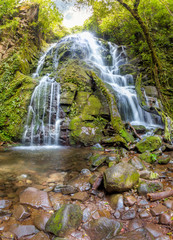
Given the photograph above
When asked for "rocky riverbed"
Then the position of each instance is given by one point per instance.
(88, 194)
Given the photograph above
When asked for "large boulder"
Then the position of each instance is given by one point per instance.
(150, 144)
(120, 178)
(68, 217)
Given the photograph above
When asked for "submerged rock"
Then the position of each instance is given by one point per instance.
(120, 177)
(150, 144)
(103, 228)
(68, 217)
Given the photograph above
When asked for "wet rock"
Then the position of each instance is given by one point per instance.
(145, 214)
(81, 183)
(80, 196)
(168, 204)
(68, 217)
(85, 172)
(113, 160)
(117, 214)
(165, 219)
(21, 212)
(140, 129)
(159, 209)
(40, 236)
(116, 201)
(97, 160)
(136, 162)
(103, 228)
(138, 234)
(65, 189)
(164, 159)
(22, 230)
(35, 198)
(149, 187)
(131, 214)
(150, 144)
(154, 229)
(120, 178)
(86, 214)
(129, 200)
(97, 146)
(5, 204)
(41, 219)
(135, 224)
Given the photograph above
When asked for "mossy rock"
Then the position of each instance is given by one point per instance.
(164, 159)
(92, 107)
(68, 217)
(115, 140)
(150, 144)
(148, 157)
(120, 178)
(85, 133)
(149, 187)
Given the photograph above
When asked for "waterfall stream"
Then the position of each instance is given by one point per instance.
(43, 122)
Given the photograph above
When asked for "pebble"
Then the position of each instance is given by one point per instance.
(168, 204)
(145, 214)
(135, 224)
(80, 196)
(129, 200)
(5, 204)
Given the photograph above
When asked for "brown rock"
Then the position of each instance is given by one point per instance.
(159, 209)
(40, 236)
(35, 198)
(129, 200)
(21, 212)
(135, 224)
(80, 196)
(154, 229)
(22, 230)
(5, 204)
(165, 219)
(168, 204)
(144, 214)
(41, 219)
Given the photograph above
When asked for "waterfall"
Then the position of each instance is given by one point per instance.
(43, 123)
(96, 54)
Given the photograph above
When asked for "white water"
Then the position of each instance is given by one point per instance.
(43, 122)
(122, 86)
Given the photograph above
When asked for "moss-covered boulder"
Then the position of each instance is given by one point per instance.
(148, 157)
(68, 217)
(150, 144)
(120, 178)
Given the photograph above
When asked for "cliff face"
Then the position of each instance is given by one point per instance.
(19, 49)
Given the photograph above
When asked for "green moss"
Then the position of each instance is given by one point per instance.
(148, 157)
(13, 109)
(149, 144)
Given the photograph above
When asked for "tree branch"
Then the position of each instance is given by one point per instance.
(136, 4)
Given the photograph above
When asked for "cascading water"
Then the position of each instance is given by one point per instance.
(96, 54)
(43, 122)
